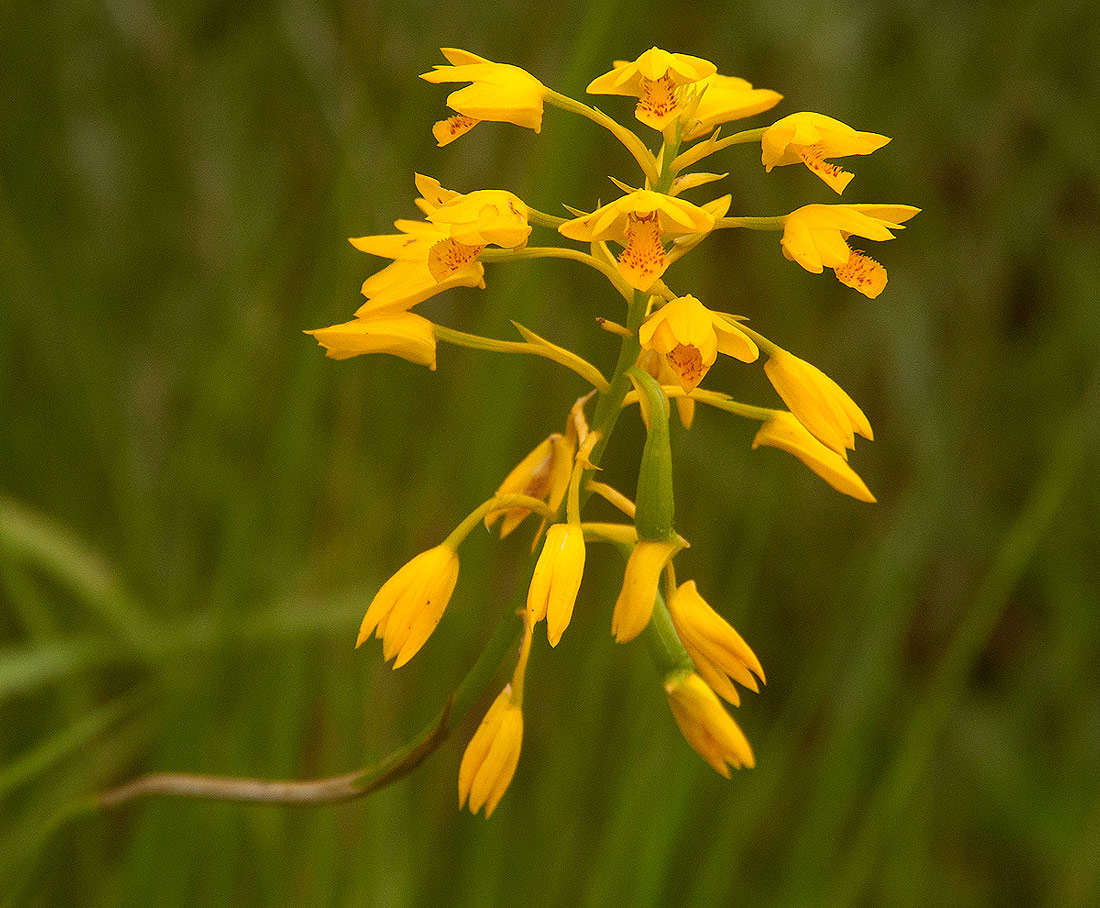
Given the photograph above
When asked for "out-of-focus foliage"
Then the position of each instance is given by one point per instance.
(197, 505)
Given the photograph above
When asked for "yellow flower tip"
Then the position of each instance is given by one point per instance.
(706, 725)
(446, 131)
(655, 79)
(401, 334)
(721, 99)
(720, 654)
(812, 139)
(490, 759)
(557, 579)
(784, 431)
(634, 607)
(689, 336)
(409, 605)
(862, 273)
(817, 401)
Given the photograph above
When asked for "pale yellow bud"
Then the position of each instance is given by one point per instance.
(409, 605)
(706, 725)
(557, 579)
(490, 759)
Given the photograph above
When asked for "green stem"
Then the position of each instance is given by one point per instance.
(543, 348)
(496, 503)
(712, 399)
(654, 501)
(776, 223)
(610, 402)
(664, 645)
(534, 216)
(345, 787)
(552, 252)
(709, 146)
(629, 140)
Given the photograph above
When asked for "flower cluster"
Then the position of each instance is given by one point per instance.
(668, 343)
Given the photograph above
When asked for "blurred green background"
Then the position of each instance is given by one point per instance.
(197, 506)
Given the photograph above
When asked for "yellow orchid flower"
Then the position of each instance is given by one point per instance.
(654, 79)
(640, 221)
(543, 473)
(706, 725)
(401, 334)
(498, 91)
(721, 99)
(816, 236)
(818, 402)
(438, 265)
(485, 217)
(440, 253)
(811, 139)
(784, 431)
(718, 651)
(690, 336)
(409, 605)
(491, 757)
(557, 579)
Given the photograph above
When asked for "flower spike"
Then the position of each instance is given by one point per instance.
(668, 341)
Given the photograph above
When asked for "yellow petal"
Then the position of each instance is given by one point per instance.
(404, 334)
(706, 725)
(409, 605)
(818, 402)
(785, 432)
(490, 759)
(862, 273)
(726, 98)
(634, 606)
(446, 131)
(557, 579)
(718, 651)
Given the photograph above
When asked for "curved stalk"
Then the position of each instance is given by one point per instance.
(534, 216)
(555, 252)
(776, 223)
(542, 348)
(333, 789)
(709, 146)
(712, 399)
(629, 140)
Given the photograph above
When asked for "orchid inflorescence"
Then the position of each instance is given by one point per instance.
(668, 342)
